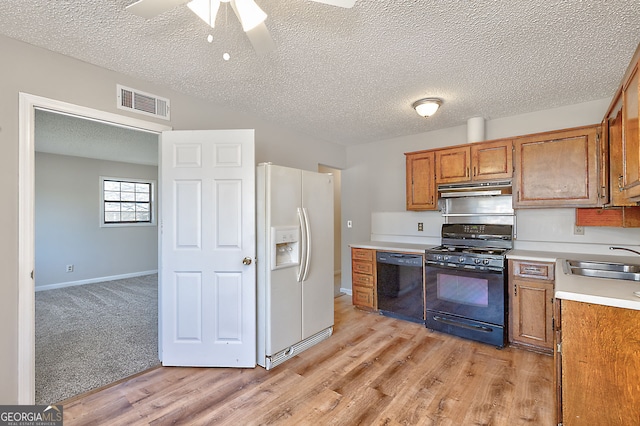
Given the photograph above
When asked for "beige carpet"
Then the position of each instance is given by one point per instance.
(92, 335)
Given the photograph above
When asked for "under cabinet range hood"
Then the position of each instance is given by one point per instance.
(474, 189)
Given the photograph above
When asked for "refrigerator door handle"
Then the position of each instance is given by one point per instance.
(307, 242)
(303, 252)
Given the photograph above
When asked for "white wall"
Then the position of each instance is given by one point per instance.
(374, 190)
(40, 72)
(67, 219)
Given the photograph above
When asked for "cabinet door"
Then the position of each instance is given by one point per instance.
(618, 194)
(363, 297)
(557, 169)
(600, 365)
(532, 313)
(492, 160)
(631, 144)
(452, 165)
(420, 186)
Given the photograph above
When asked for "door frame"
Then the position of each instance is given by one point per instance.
(28, 104)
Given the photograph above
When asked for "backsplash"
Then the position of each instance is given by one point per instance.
(536, 229)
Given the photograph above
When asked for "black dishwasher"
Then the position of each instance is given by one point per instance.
(400, 285)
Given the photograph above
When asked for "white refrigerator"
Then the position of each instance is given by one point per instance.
(294, 261)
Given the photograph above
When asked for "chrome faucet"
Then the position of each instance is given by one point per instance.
(624, 248)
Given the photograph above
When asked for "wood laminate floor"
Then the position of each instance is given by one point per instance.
(374, 370)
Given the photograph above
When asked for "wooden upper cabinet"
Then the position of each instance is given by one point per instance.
(492, 160)
(420, 186)
(630, 139)
(557, 169)
(618, 195)
(475, 162)
(452, 165)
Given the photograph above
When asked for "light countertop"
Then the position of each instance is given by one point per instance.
(601, 291)
(392, 246)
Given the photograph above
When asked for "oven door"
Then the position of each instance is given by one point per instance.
(467, 303)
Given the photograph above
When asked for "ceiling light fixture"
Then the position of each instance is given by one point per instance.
(426, 107)
(249, 12)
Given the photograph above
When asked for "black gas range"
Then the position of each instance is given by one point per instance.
(466, 282)
(472, 246)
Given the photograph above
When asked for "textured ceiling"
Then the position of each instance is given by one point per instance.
(66, 135)
(350, 75)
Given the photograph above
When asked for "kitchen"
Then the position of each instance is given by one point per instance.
(373, 174)
(460, 278)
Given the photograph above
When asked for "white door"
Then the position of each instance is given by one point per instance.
(207, 294)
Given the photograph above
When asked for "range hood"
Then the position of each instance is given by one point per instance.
(475, 189)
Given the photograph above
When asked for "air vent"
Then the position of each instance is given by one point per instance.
(143, 103)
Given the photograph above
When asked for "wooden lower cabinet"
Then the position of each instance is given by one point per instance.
(531, 296)
(598, 365)
(363, 278)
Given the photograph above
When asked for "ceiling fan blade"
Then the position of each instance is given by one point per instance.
(261, 39)
(207, 10)
(340, 3)
(258, 36)
(151, 8)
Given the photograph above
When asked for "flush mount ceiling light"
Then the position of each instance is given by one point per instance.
(426, 107)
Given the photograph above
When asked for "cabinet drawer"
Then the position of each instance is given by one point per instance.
(535, 270)
(363, 280)
(362, 267)
(363, 296)
(362, 254)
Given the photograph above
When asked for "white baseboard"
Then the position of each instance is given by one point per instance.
(346, 291)
(94, 280)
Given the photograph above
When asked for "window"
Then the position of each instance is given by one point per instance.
(127, 202)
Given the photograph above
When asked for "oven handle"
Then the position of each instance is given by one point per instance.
(489, 270)
(463, 325)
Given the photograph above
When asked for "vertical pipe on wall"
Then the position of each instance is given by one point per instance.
(475, 129)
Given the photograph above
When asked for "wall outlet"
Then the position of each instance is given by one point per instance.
(578, 230)
(69, 268)
(420, 227)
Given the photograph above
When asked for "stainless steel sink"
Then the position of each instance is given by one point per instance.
(618, 271)
(603, 266)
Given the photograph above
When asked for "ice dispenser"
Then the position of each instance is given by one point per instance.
(286, 241)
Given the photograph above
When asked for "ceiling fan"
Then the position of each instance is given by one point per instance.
(248, 12)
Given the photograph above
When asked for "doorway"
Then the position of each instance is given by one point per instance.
(26, 322)
(337, 228)
(96, 283)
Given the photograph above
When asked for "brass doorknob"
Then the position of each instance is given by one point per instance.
(246, 261)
